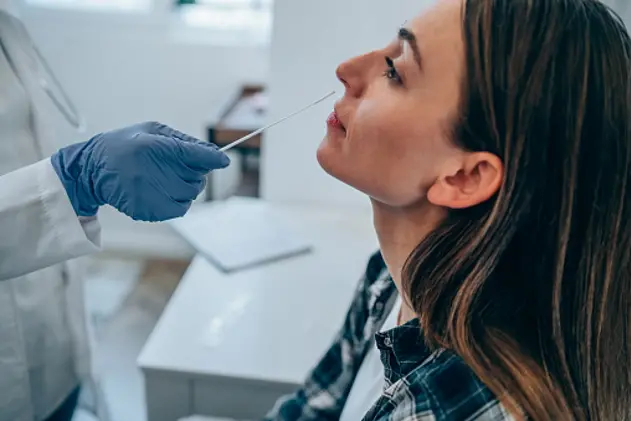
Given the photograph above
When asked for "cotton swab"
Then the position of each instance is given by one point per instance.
(259, 131)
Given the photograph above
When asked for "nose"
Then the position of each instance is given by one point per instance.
(354, 73)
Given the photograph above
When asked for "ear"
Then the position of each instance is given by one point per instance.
(473, 180)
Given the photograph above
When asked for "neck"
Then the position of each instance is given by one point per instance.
(400, 230)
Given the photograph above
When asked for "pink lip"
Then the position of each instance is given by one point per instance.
(334, 121)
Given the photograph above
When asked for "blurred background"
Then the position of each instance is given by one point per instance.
(181, 329)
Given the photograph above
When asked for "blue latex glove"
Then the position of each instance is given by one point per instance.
(149, 171)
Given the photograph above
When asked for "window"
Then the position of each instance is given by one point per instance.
(225, 22)
(255, 15)
(119, 5)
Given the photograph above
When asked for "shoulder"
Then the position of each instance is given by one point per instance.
(444, 388)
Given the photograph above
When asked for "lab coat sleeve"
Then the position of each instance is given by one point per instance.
(38, 226)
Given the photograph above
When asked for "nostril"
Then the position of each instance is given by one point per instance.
(341, 79)
(342, 73)
(339, 73)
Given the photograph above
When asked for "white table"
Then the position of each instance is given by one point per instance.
(230, 345)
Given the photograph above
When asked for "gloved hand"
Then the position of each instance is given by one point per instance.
(148, 171)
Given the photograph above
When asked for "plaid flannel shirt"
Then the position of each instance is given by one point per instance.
(419, 385)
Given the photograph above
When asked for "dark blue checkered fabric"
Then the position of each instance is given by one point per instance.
(419, 385)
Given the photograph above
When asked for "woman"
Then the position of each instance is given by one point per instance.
(493, 139)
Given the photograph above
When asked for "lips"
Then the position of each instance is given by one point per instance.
(334, 121)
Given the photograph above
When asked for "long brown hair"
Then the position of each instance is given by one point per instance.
(533, 288)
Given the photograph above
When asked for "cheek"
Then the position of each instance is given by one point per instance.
(353, 157)
(377, 157)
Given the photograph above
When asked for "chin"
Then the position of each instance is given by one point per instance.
(333, 161)
(327, 157)
(334, 164)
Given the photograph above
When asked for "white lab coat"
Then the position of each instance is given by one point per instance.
(44, 347)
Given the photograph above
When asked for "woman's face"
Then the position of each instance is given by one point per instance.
(389, 136)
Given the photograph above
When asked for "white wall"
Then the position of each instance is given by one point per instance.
(122, 68)
(310, 38)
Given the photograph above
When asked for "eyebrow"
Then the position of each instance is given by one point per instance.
(408, 36)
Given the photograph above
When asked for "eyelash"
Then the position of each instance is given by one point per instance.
(391, 72)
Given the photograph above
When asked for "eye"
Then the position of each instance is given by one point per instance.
(391, 72)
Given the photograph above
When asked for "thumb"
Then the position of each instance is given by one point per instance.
(203, 156)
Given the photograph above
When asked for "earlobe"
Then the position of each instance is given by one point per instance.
(442, 193)
(476, 181)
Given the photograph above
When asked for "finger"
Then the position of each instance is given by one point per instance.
(196, 188)
(201, 185)
(183, 191)
(162, 202)
(154, 127)
(174, 210)
(203, 156)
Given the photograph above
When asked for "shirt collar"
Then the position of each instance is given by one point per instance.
(402, 350)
